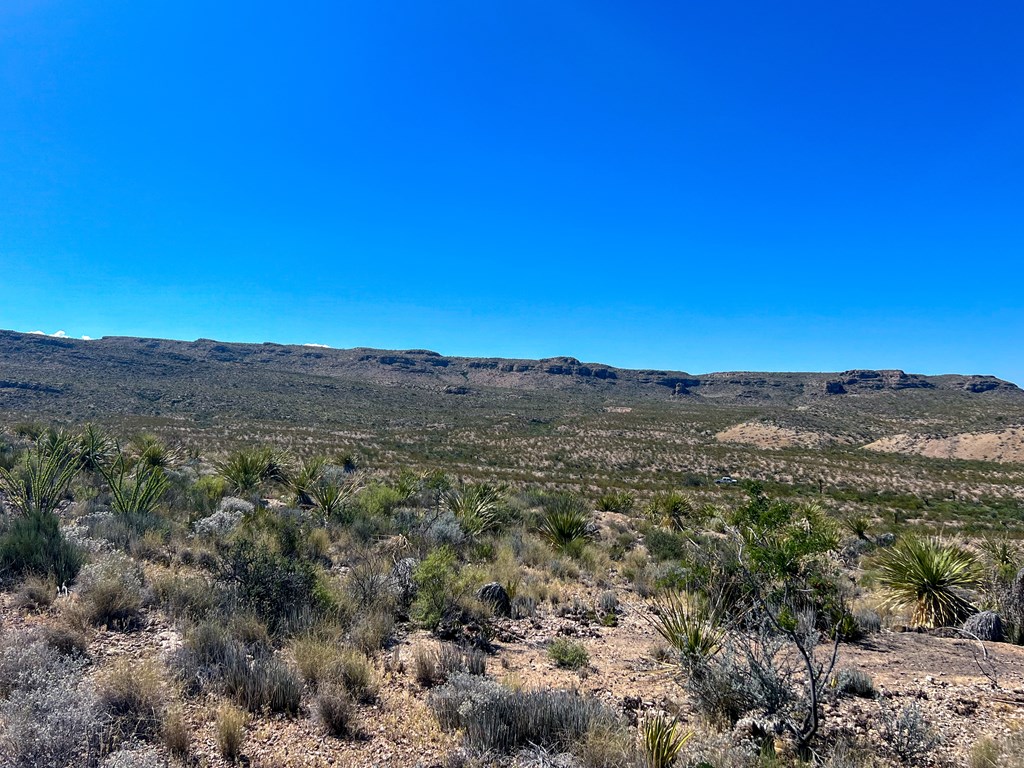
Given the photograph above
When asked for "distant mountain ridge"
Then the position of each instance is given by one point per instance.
(31, 364)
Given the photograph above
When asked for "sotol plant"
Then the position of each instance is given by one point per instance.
(927, 575)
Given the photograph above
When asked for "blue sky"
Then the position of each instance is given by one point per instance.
(695, 186)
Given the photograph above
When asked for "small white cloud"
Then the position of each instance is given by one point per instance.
(36, 333)
(59, 335)
(322, 346)
(87, 338)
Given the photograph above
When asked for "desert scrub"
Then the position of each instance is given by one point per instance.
(229, 514)
(565, 524)
(568, 654)
(35, 593)
(322, 662)
(616, 501)
(502, 720)
(855, 682)
(111, 591)
(133, 697)
(435, 665)
(33, 544)
(662, 740)
(336, 711)
(907, 733)
(439, 587)
(230, 722)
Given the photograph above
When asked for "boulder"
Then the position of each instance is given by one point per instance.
(495, 595)
(985, 625)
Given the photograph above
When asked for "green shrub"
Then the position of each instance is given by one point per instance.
(438, 587)
(475, 506)
(34, 544)
(616, 501)
(568, 654)
(665, 545)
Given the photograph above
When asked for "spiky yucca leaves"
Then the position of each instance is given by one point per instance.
(40, 480)
(927, 574)
(662, 740)
(150, 451)
(671, 510)
(475, 506)
(95, 449)
(566, 523)
(247, 471)
(330, 497)
(691, 624)
(135, 491)
(308, 475)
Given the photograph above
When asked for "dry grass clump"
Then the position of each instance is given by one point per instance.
(134, 697)
(434, 665)
(35, 593)
(176, 734)
(326, 662)
(230, 722)
(336, 710)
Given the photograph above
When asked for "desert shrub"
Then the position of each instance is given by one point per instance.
(230, 722)
(855, 682)
(321, 661)
(498, 719)
(35, 593)
(40, 480)
(607, 745)
(568, 654)
(229, 514)
(868, 622)
(49, 716)
(134, 757)
(279, 589)
(665, 545)
(34, 544)
(435, 665)
(371, 583)
(185, 596)
(662, 740)
(135, 491)
(438, 587)
(111, 591)
(379, 500)
(336, 710)
(1002, 752)
(64, 638)
(133, 698)
(565, 523)
(907, 733)
(616, 501)
(205, 493)
(176, 734)
(928, 575)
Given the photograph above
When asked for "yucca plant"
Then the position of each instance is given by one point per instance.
(330, 497)
(247, 471)
(475, 506)
(671, 510)
(662, 740)
(691, 624)
(95, 449)
(135, 492)
(566, 523)
(150, 451)
(927, 575)
(41, 479)
(309, 474)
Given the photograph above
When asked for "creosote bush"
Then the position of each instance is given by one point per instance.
(568, 654)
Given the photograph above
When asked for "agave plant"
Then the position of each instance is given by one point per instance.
(40, 480)
(927, 574)
(95, 448)
(566, 523)
(309, 475)
(475, 506)
(330, 497)
(662, 740)
(151, 451)
(690, 624)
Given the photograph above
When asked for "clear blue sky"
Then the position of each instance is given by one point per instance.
(697, 186)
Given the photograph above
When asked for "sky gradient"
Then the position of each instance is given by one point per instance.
(712, 186)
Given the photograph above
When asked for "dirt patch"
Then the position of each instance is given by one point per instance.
(1005, 446)
(766, 435)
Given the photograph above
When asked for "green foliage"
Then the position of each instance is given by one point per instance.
(149, 451)
(568, 654)
(95, 449)
(380, 500)
(927, 574)
(136, 492)
(671, 510)
(665, 545)
(616, 501)
(279, 588)
(475, 506)
(34, 544)
(690, 624)
(662, 740)
(248, 471)
(42, 477)
(565, 523)
(438, 587)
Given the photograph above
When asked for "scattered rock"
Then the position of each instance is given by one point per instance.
(495, 595)
(986, 626)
